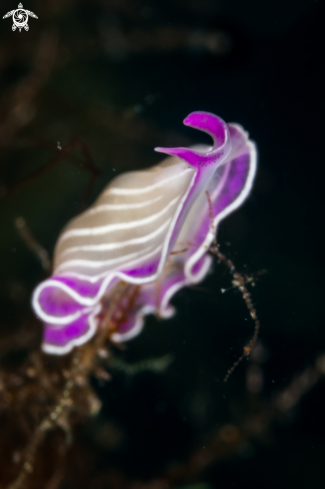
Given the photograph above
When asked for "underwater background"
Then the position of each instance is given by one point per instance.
(86, 94)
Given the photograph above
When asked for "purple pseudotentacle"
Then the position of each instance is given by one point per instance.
(150, 228)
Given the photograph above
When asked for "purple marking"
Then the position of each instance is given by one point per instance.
(64, 335)
(212, 125)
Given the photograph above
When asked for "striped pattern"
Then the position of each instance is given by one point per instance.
(127, 224)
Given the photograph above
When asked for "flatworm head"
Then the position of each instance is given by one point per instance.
(150, 229)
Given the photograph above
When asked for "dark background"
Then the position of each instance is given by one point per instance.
(121, 75)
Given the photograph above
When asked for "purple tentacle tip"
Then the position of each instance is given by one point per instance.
(212, 125)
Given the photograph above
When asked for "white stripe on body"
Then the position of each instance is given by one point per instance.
(144, 190)
(122, 207)
(109, 228)
(121, 244)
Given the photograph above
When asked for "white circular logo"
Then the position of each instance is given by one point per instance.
(20, 18)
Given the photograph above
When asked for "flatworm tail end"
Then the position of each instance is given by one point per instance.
(212, 125)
